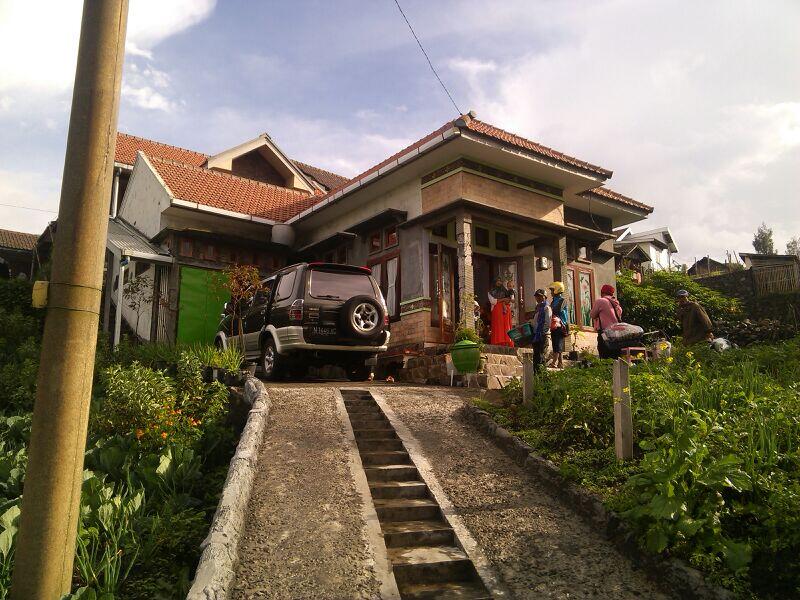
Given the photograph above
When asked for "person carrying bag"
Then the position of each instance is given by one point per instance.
(606, 311)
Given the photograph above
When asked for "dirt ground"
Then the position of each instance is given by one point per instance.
(539, 548)
(305, 533)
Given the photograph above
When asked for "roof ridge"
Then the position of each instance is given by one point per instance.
(225, 174)
(143, 139)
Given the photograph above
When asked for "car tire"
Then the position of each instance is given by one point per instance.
(359, 372)
(271, 362)
(362, 317)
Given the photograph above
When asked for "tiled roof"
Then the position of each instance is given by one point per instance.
(612, 195)
(129, 145)
(17, 240)
(229, 192)
(521, 142)
(326, 178)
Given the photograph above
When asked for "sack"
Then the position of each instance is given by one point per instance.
(555, 323)
(622, 335)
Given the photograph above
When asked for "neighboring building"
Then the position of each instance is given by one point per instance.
(753, 260)
(657, 245)
(16, 253)
(707, 266)
(436, 222)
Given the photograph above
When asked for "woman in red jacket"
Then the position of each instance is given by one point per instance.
(605, 312)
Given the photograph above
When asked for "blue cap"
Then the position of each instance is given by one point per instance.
(680, 293)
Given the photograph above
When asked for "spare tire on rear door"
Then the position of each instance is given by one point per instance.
(362, 317)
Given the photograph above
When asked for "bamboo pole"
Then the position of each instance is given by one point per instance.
(49, 522)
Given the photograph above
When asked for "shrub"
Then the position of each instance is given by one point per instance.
(651, 304)
(15, 296)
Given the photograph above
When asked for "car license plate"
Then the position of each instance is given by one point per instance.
(323, 331)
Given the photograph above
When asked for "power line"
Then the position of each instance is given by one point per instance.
(29, 208)
(430, 64)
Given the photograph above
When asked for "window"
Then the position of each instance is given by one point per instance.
(583, 253)
(186, 247)
(391, 236)
(501, 241)
(338, 284)
(386, 272)
(285, 286)
(341, 255)
(580, 296)
(440, 230)
(482, 237)
(330, 257)
(375, 242)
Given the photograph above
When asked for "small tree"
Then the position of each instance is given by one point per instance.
(137, 294)
(793, 246)
(242, 282)
(762, 242)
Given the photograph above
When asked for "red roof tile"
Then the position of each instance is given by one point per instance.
(612, 195)
(326, 178)
(521, 142)
(17, 240)
(129, 145)
(229, 192)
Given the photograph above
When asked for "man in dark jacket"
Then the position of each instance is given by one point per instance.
(693, 319)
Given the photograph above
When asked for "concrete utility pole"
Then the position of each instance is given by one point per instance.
(51, 500)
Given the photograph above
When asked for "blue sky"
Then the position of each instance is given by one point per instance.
(694, 106)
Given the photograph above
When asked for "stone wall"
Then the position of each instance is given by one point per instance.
(736, 284)
(430, 367)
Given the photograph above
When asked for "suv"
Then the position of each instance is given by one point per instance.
(312, 314)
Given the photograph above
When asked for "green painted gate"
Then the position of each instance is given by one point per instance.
(201, 299)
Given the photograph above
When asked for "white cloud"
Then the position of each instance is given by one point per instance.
(695, 107)
(31, 189)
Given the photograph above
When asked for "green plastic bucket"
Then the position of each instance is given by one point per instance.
(466, 356)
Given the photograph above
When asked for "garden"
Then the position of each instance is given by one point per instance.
(160, 440)
(715, 477)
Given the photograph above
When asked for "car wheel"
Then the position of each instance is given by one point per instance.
(359, 372)
(271, 361)
(362, 317)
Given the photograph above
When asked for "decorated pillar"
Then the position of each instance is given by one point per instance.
(466, 285)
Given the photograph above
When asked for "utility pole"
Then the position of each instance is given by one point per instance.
(51, 501)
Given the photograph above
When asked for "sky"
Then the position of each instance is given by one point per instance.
(695, 106)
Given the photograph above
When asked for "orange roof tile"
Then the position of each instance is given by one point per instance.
(230, 192)
(17, 240)
(326, 178)
(612, 195)
(129, 145)
(526, 144)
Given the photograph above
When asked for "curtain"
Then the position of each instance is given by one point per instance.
(391, 286)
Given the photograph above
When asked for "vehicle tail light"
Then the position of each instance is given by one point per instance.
(296, 311)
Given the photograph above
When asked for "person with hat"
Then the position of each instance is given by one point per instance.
(694, 320)
(559, 324)
(606, 311)
(540, 324)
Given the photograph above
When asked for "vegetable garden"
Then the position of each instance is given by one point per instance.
(716, 473)
(157, 456)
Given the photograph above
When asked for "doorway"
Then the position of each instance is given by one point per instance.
(443, 285)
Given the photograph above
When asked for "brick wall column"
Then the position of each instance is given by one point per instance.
(466, 285)
(559, 258)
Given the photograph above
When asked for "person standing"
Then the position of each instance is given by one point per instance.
(694, 320)
(540, 323)
(606, 311)
(501, 314)
(559, 326)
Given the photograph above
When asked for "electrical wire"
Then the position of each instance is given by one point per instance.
(430, 64)
(29, 208)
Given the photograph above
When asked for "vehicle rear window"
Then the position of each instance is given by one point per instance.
(338, 285)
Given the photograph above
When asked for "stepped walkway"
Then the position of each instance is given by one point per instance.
(382, 492)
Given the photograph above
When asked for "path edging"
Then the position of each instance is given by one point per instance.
(217, 566)
(677, 576)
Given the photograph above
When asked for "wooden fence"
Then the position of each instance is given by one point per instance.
(775, 279)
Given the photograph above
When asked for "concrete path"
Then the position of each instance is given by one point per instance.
(539, 548)
(305, 535)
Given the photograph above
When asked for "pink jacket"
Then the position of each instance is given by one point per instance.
(605, 312)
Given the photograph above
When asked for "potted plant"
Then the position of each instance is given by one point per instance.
(230, 362)
(466, 350)
(573, 354)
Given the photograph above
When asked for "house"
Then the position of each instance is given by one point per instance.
(16, 253)
(436, 222)
(752, 260)
(651, 250)
(707, 266)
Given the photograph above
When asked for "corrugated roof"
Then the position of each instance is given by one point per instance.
(326, 178)
(17, 240)
(130, 242)
(221, 190)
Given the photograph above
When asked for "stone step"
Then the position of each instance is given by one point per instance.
(390, 457)
(392, 473)
(374, 434)
(378, 445)
(357, 421)
(398, 489)
(363, 409)
(417, 533)
(455, 590)
(407, 509)
(430, 564)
